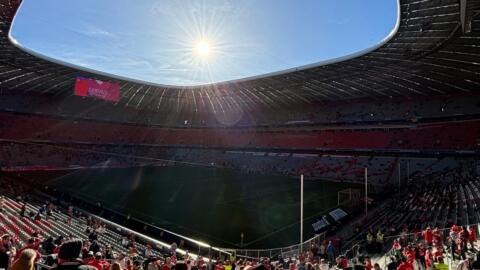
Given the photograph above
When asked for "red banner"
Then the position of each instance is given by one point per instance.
(94, 88)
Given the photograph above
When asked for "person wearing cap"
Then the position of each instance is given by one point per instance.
(97, 262)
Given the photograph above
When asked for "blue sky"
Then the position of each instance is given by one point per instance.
(155, 40)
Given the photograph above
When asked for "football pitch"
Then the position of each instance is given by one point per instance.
(208, 204)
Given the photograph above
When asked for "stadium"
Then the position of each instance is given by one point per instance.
(364, 161)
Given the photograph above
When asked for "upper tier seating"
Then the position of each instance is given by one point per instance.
(450, 136)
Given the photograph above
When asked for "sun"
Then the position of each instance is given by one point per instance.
(202, 48)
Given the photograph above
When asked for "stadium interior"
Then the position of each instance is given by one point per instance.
(373, 160)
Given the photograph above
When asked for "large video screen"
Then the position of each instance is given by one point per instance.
(85, 87)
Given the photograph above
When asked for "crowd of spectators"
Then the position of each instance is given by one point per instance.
(413, 247)
(382, 169)
(343, 112)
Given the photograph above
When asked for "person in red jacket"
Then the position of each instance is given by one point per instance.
(437, 235)
(472, 236)
(428, 236)
(405, 265)
(167, 265)
(368, 263)
(219, 265)
(409, 253)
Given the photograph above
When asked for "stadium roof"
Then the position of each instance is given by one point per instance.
(435, 51)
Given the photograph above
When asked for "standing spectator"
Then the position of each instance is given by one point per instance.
(393, 264)
(342, 262)
(476, 263)
(219, 265)
(321, 250)
(380, 237)
(405, 265)
(23, 209)
(2, 203)
(68, 255)
(428, 236)
(148, 252)
(168, 264)
(370, 239)
(429, 258)
(368, 263)
(5, 250)
(25, 261)
(33, 244)
(98, 262)
(115, 266)
(137, 265)
(465, 264)
(48, 246)
(323, 265)
(108, 252)
(472, 236)
(330, 250)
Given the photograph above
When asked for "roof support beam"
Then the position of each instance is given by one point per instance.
(463, 13)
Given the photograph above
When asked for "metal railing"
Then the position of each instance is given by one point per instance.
(288, 251)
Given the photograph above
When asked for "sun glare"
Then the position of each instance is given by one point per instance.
(202, 48)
